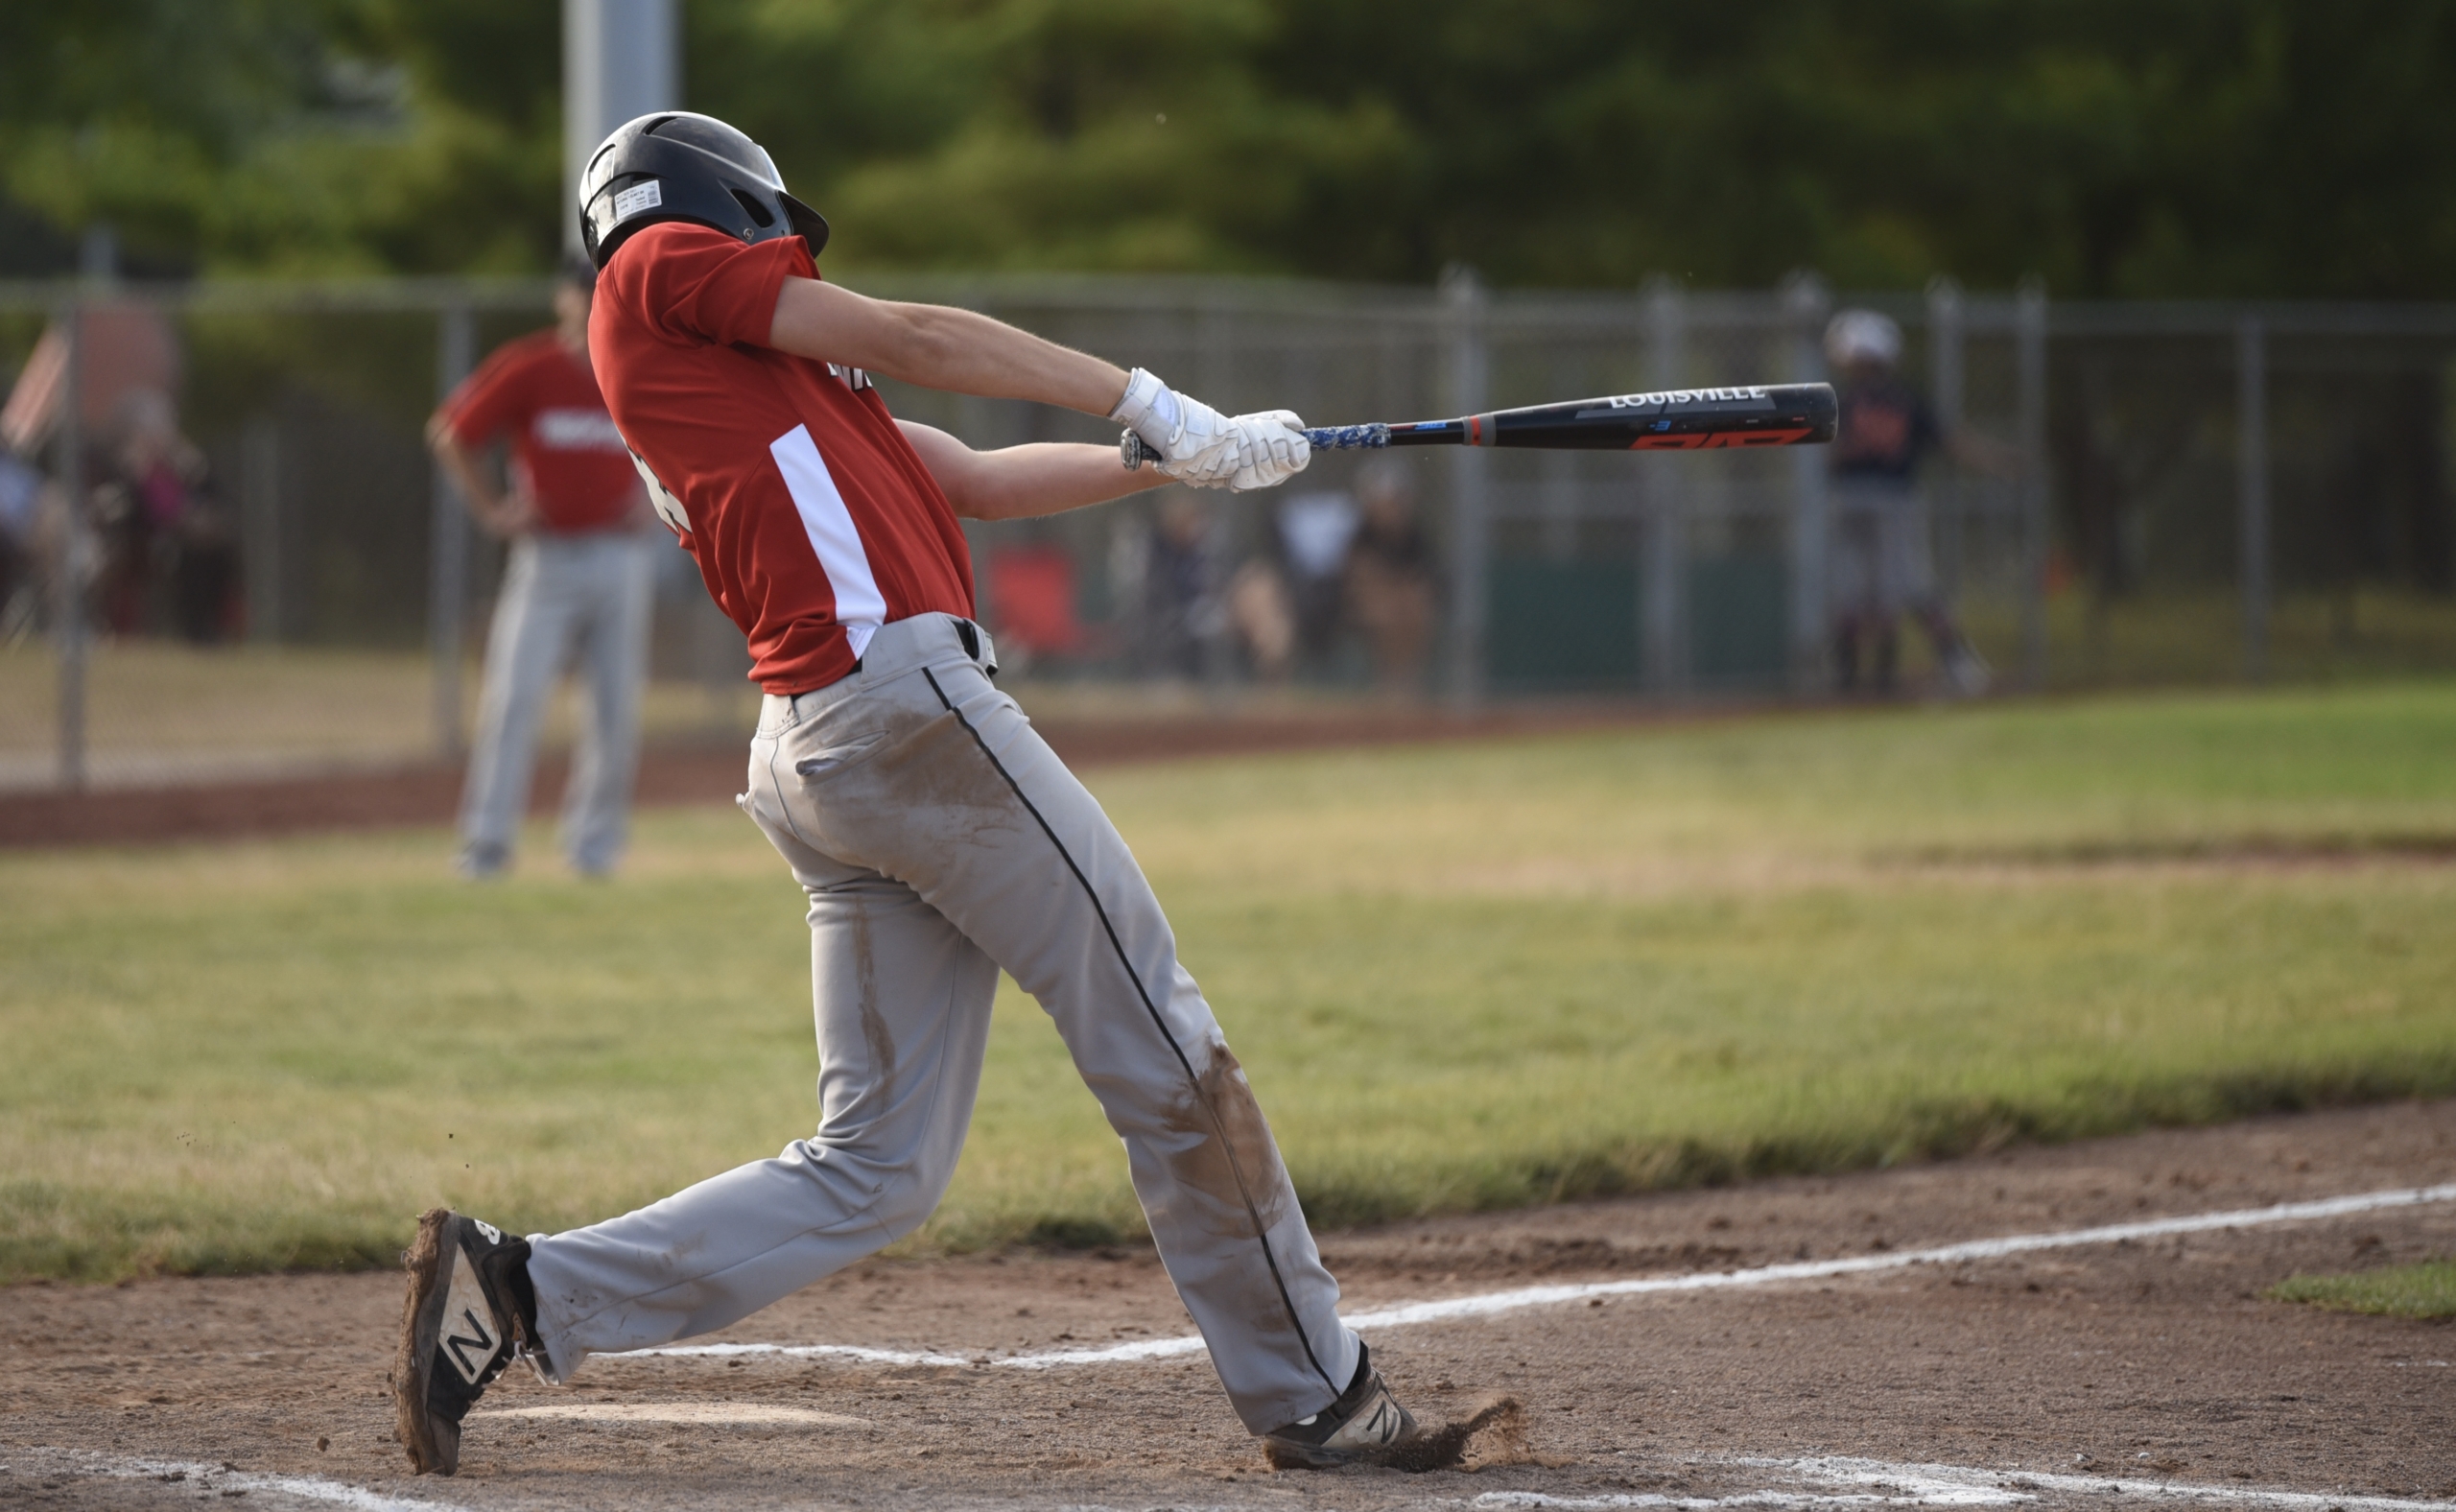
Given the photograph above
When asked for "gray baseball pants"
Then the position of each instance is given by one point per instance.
(1879, 566)
(939, 839)
(564, 596)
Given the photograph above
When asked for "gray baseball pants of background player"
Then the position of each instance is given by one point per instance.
(564, 596)
(940, 838)
(1880, 566)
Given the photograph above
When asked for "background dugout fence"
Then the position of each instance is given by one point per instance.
(2203, 494)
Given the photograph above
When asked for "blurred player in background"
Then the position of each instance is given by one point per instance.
(935, 836)
(577, 584)
(1880, 562)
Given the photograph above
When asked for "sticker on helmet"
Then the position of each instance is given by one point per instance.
(639, 197)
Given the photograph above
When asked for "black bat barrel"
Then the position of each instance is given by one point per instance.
(1679, 419)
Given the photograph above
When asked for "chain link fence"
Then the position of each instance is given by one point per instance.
(2189, 494)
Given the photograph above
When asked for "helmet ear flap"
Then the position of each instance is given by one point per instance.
(807, 223)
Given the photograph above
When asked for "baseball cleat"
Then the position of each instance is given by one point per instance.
(469, 1311)
(1362, 1427)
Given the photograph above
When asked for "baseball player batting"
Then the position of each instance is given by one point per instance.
(938, 837)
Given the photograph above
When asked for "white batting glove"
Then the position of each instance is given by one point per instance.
(1193, 443)
(1274, 449)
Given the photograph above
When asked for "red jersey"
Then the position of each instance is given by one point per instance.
(811, 517)
(563, 443)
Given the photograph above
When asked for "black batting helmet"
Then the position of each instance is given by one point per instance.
(676, 166)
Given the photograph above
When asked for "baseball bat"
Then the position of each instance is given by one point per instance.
(1674, 420)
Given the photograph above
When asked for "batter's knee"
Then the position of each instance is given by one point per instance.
(909, 1198)
(895, 1189)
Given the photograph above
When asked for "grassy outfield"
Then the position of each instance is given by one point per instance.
(1460, 976)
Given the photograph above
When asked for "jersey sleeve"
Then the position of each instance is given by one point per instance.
(698, 284)
(491, 400)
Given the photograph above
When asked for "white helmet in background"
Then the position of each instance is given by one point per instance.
(1862, 336)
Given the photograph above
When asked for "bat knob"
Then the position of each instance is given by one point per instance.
(1134, 452)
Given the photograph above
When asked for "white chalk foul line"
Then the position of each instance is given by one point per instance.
(1873, 1482)
(722, 1414)
(1487, 1304)
(213, 1478)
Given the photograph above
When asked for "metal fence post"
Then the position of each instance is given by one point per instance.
(2029, 319)
(1464, 305)
(1805, 307)
(75, 548)
(260, 527)
(1662, 500)
(1947, 331)
(448, 574)
(2251, 441)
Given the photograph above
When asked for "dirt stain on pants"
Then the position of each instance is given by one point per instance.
(875, 1033)
(1236, 1165)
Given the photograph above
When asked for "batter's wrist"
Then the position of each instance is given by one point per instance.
(1150, 409)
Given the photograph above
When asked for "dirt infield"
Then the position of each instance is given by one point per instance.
(2038, 1378)
(712, 774)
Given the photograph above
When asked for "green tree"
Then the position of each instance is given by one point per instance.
(2261, 147)
(291, 134)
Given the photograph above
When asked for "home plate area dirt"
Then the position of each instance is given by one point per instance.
(2099, 1373)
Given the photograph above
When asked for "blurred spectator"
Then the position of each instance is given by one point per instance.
(1878, 562)
(1263, 618)
(1392, 591)
(1181, 620)
(1289, 602)
(1314, 529)
(170, 559)
(21, 490)
(579, 584)
(121, 348)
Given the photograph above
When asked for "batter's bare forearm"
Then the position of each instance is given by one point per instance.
(1021, 482)
(937, 346)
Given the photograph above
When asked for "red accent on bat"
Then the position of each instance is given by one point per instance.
(1719, 440)
(1474, 430)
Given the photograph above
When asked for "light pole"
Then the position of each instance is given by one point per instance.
(620, 59)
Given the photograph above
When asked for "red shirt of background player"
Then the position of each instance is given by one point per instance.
(563, 443)
(813, 521)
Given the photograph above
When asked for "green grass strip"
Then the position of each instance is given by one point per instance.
(2427, 1289)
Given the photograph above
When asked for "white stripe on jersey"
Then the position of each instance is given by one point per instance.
(860, 608)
